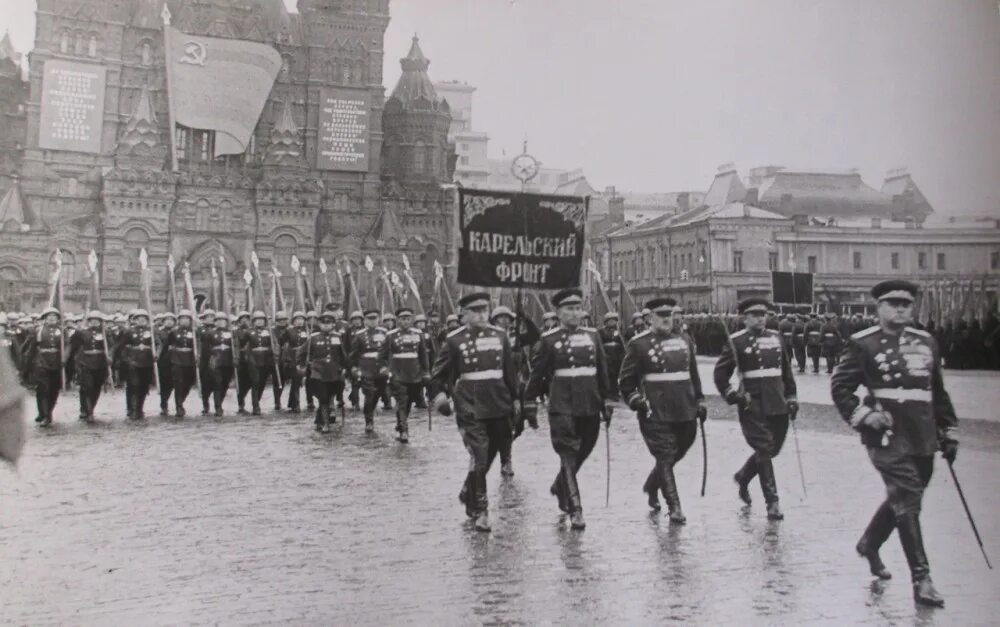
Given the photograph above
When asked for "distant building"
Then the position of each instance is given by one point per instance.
(471, 167)
(848, 235)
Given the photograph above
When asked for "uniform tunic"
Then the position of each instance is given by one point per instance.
(365, 346)
(218, 347)
(179, 346)
(90, 360)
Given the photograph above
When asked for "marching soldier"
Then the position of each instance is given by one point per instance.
(179, 346)
(519, 337)
(89, 356)
(219, 344)
(388, 323)
(8, 337)
(256, 344)
(324, 355)
(365, 348)
(243, 382)
(787, 330)
(280, 331)
(312, 323)
(550, 320)
(134, 354)
(832, 341)
(614, 347)
(356, 324)
(570, 367)
(659, 380)
(403, 357)
(43, 361)
(476, 366)
(290, 341)
(163, 364)
(814, 340)
(206, 327)
(420, 324)
(765, 397)
(905, 417)
(799, 341)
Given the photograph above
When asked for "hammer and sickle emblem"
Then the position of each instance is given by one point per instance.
(194, 53)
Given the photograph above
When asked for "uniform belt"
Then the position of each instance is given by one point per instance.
(610, 343)
(814, 333)
(578, 371)
(182, 348)
(261, 348)
(48, 350)
(405, 355)
(667, 376)
(94, 352)
(901, 394)
(762, 373)
(481, 375)
(370, 355)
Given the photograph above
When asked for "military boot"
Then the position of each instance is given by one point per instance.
(768, 485)
(652, 490)
(878, 531)
(669, 486)
(908, 526)
(401, 426)
(556, 490)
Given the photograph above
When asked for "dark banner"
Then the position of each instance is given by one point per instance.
(792, 288)
(512, 239)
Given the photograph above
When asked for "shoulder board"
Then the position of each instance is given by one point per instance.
(551, 331)
(591, 329)
(738, 333)
(382, 329)
(460, 329)
(865, 332)
(638, 335)
(917, 331)
(315, 333)
(490, 326)
(771, 331)
(392, 332)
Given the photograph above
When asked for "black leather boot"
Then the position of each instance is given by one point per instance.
(908, 526)
(878, 531)
(573, 497)
(480, 501)
(744, 476)
(669, 486)
(401, 426)
(652, 489)
(768, 485)
(556, 490)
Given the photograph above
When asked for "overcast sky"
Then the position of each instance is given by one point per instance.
(652, 95)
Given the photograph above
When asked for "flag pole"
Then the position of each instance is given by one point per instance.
(165, 14)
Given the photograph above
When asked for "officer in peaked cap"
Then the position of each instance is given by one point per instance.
(179, 347)
(765, 397)
(905, 418)
(614, 347)
(659, 380)
(43, 362)
(476, 367)
(403, 357)
(134, 353)
(326, 358)
(365, 346)
(570, 367)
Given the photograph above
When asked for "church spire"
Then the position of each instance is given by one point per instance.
(141, 137)
(414, 83)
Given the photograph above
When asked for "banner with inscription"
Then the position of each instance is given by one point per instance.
(72, 106)
(511, 239)
(342, 136)
(221, 85)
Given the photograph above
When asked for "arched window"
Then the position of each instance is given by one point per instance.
(284, 247)
(147, 53)
(64, 42)
(135, 240)
(419, 156)
(78, 47)
(92, 46)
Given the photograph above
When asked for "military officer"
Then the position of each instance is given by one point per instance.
(43, 359)
(325, 356)
(814, 340)
(88, 353)
(905, 417)
(765, 397)
(220, 345)
(787, 330)
(570, 367)
(179, 345)
(365, 347)
(403, 357)
(475, 366)
(281, 321)
(519, 337)
(420, 324)
(831, 341)
(799, 341)
(614, 346)
(243, 383)
(206, 327)
(134, 353)
(312, 323)
(168, 321)
(659, 380)
(258, 345)
(290, 341)
(356, 323)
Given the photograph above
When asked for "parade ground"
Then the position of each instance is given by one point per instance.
(261, 520)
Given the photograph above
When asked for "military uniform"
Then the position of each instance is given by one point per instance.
(902, 374)
(242, 365)
(659, 379)
(218, 347)
(614, 351)
(764, 403)
(206, 327)
(290, 340)
(258, 347)
(814, 342)
(475, 366)
(570, 367)
(787, 330)
(43, 360)
(180, 348)
(164, 368)
(365, 347)
(404, 356)
(134, 354)
(326, 359)
(88, 354)
(832, 341)
(521, 334)
(799, 343)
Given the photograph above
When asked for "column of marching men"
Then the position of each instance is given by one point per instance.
(490, 369)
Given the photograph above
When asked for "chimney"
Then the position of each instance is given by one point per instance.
(616, 208)
(683, 201)
(752, 197)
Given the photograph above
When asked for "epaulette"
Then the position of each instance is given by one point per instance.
(382, 329)
(551, 331)
(738, 333)
(591, 329)
(772, 331)
(495, 328)
(391, 331)
(637, 336)
(458, 330)
(865, 332)
(919, 332)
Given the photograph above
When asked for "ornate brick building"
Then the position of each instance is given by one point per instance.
(272, 199)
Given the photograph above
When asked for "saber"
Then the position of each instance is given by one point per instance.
(968, 513)
(704, 457)
(798, 455)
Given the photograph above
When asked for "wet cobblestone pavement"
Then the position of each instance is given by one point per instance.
(261, 520)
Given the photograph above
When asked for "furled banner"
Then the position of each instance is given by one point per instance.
(511, 239)
(221, 85)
